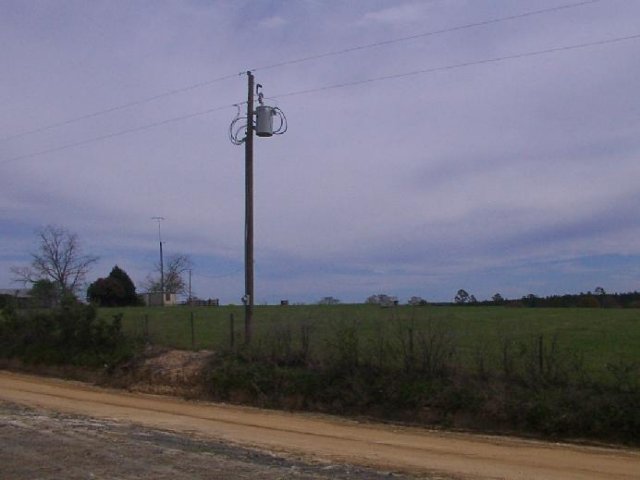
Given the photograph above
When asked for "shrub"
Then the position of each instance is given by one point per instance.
(535, 386)
(70, 334)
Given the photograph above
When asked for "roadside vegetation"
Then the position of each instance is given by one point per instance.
(557, 373)
(70, 334)
(442, 371)
(598, 336)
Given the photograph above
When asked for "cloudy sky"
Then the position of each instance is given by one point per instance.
(490, 145)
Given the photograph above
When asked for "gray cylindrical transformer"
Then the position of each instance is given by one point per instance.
(264, 121)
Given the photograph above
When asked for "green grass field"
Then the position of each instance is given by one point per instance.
(598, 336)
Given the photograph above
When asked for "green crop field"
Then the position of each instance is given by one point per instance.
(598, 337)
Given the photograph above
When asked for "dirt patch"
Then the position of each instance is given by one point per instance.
(162, 371)
(47, 445)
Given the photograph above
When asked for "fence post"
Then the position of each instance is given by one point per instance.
(411, 359)
(232, 332)
(193, 336)
(541, 354)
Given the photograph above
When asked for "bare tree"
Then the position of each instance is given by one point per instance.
(59, 259)
(174, 269)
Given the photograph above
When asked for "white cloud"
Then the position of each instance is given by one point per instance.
(433, 179)
(401, 14)
(273, 22)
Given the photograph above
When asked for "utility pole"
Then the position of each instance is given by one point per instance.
(248, 227)
(160, 219)
(263, 127)
(190, 287)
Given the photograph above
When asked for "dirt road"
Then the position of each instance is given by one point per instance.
(410, 450)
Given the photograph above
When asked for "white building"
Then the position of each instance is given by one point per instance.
(159, 299)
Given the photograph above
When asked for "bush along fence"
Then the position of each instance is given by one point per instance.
(189, 331)
(415, 373)
(396, 368)
(68, 335)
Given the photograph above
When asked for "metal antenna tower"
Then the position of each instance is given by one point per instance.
(160, 219)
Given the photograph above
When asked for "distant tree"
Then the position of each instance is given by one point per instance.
(588, 301)
(417, 301)
(106, 292)
(531, 300)
(382, 299)
(472, 299)
(58, 259)
(372, 300)
(462, 297)
(130, 295)
(497, 299)
(117, 290)
(328, 301)
(174, 269)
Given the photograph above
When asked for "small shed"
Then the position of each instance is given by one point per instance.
(159, 299)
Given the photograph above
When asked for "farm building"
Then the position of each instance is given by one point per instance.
(159, 299)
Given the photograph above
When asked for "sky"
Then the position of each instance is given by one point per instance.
(489, 145)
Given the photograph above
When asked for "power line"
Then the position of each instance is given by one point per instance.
(293, 62)
(222, 275)
(118, 107)
(335, 86)
(458, 65)
(115, 134)
(425, 34)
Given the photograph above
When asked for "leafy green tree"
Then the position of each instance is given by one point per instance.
(462, 297)
(588, 301)
(117, 290)
(497, 299)
(44, 293)
(119, 275)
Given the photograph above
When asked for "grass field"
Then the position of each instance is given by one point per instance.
(598, 336)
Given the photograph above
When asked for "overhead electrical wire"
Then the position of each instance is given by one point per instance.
(118, 107)
(116, 134)
(344, 51)
(336, 86)
(425, 34)
(222, 275)
(458, 65)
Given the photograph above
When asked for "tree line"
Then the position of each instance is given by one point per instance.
(59, 267)
(599, 298)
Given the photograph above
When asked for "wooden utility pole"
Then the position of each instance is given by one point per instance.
(248, 240)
